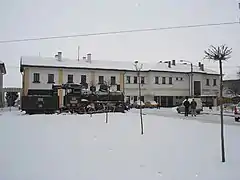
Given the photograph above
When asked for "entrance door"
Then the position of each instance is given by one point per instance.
(163, 101)
(170, 101)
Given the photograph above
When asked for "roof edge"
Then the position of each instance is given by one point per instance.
(108, 69)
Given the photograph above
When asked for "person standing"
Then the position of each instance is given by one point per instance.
(193, 107)
(186, 105)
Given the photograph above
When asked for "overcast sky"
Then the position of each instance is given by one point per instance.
(37, 18)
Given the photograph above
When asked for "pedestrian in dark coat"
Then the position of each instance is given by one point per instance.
(193, 107)
(186, 105)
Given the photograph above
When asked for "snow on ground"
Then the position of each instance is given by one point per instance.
(77, 147)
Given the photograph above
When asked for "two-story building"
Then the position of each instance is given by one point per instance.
(165, 82)
(2, 72)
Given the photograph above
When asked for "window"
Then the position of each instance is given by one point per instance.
(50, 78)
(181, 78)
(100, 79)
(113, 80)
(135, 80)
(156, 80)
(142, 80)
(118, 87)
(214, 82)
(128, 80)
(83, 79)
(142, 98)
(36, 77)
(163, 80)
(70, 78)
(170, 80)
(135, 98)
(177, 78)
(207, 82)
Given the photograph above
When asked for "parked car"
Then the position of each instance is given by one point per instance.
(199, 108)
(237, 112)
(136, 104)
(151, 104)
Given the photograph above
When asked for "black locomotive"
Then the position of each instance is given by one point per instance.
(77, 99)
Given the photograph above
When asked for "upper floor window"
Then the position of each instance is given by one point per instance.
(83, 79)
(156, 80)
(170, 80)
(70, 78)
(142, 80)
(207, 82)
(36, 77)
(128, 80)
(214, 82)
(113, 80)
(135, 80)
(163, 80)
(100, 79)
(50, 78)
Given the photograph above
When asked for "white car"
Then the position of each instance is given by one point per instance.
(237, 112)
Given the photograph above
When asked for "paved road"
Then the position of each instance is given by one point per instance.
(204, 118)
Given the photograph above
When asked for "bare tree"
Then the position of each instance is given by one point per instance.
(219, 54)
(108, 86)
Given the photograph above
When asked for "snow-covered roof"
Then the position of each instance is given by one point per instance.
(108, 65)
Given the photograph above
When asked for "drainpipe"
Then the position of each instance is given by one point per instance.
(124, 83)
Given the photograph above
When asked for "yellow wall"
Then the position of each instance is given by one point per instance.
(60, 91)
(25, 81)
(122, 81)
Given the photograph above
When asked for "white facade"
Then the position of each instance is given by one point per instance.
(177, 85)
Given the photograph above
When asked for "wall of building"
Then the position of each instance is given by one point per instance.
(179, 88)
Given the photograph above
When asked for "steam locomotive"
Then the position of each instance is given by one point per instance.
(77, 99)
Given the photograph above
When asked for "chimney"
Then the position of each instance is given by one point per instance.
(56, 56)
(89, 57)
(84, 57)
(174, 62)
(59, 56)
(169, 64)
(199, 64)
(202, 67)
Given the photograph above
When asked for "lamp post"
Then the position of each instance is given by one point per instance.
(191, 79)
(138, 68)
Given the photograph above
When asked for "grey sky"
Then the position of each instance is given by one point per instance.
(36, 18)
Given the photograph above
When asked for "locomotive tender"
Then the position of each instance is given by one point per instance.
(77, 99)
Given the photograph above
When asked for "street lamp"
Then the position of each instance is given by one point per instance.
(191, 79)
(138, 67)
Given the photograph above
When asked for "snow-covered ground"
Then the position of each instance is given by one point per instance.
(78, 147)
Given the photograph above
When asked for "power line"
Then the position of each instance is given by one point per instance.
(118, 32)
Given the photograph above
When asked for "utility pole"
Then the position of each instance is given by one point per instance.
(138, 69)
(190, 78)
